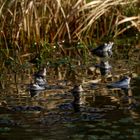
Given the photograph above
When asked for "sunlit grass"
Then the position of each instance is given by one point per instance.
(24, 23)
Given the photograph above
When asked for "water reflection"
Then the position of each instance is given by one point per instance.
(129, 99)
(105, 67)
(34, 93)
(110, 111)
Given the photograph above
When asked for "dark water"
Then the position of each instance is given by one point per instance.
(99, 113)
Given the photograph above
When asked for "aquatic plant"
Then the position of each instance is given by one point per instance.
(29, 22)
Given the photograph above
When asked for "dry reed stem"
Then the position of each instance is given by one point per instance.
(29, 21)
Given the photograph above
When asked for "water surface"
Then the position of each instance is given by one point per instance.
(53, 114)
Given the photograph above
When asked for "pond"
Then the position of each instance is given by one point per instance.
(97, 113)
